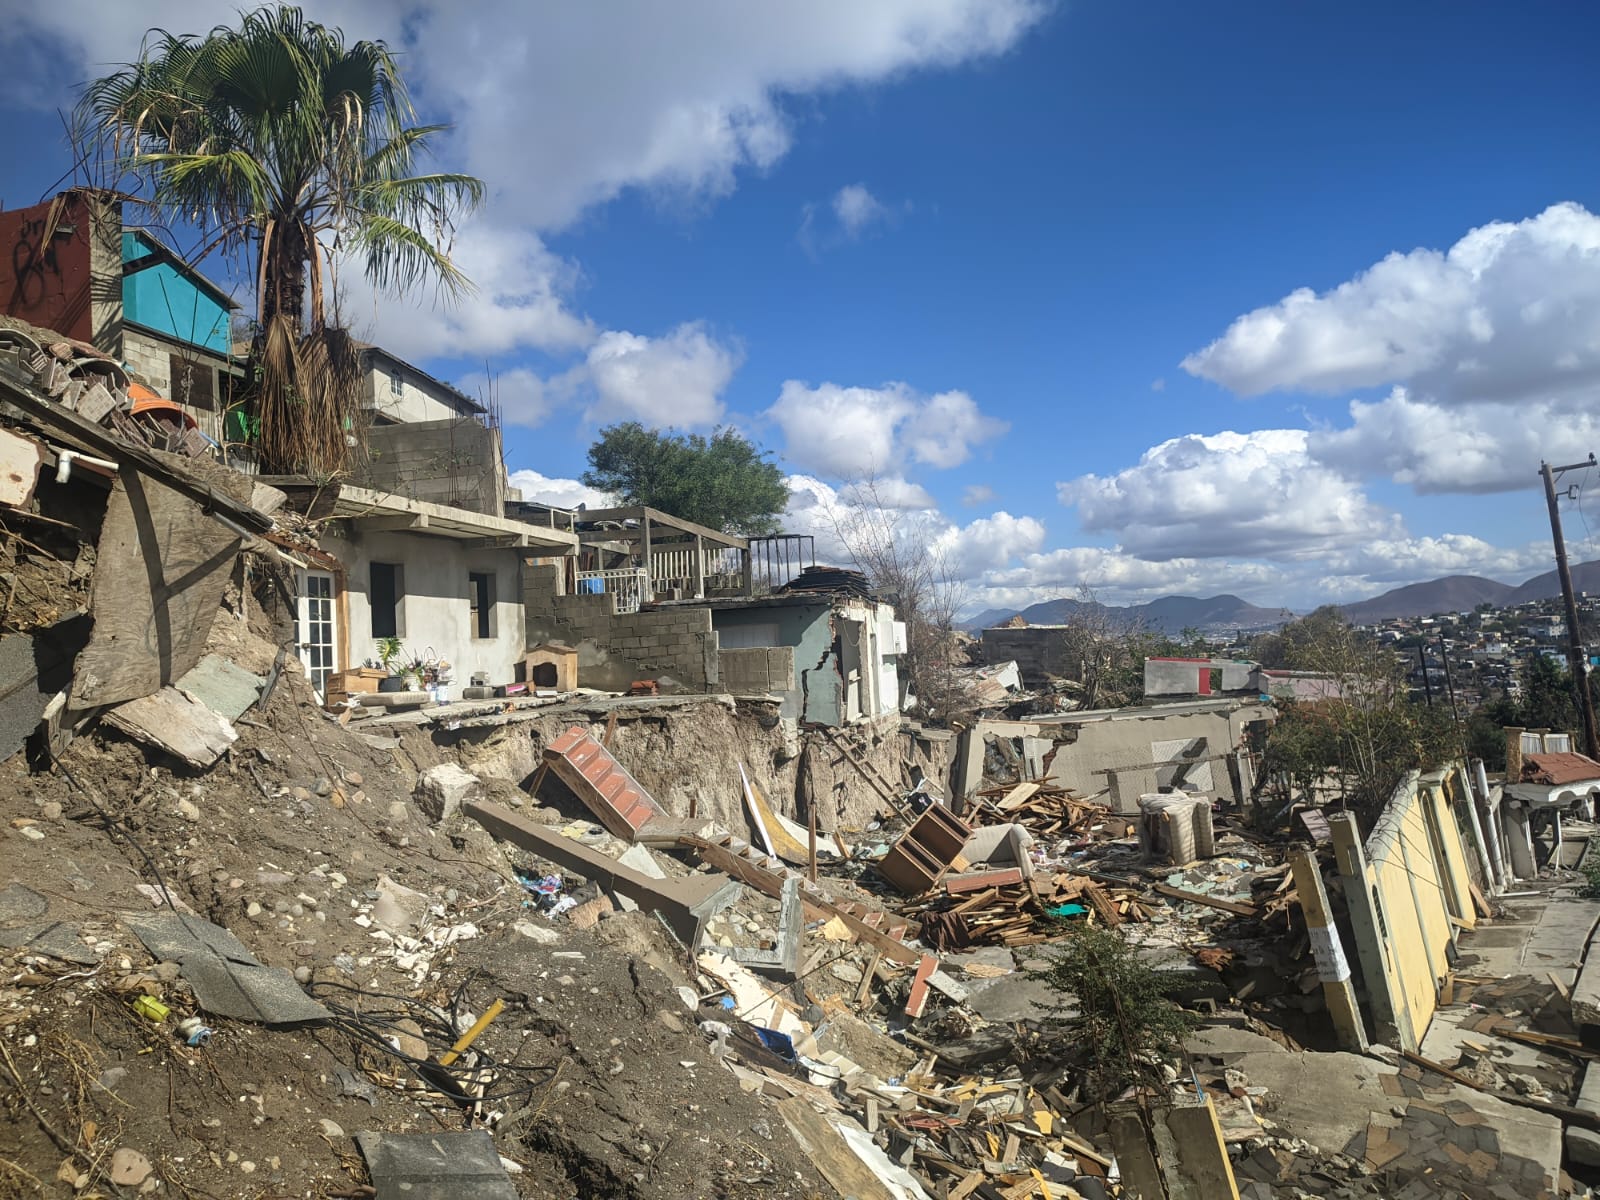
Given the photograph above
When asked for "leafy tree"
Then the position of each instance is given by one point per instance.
(1363, 736)
(725, 482)
(1116, 1012)
(284, 143)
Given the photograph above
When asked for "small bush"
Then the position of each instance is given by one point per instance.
(1116, 1010)
(1590, 888)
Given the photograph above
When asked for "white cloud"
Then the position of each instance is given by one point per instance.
(1489, 447)
(829, 513)
(857, 432)
(989, 543)
(1511, 310)
(674, 380)
(1228, 494)
(855, 208)
(563, 107)
(975, 494)
(560, 493)
(521, 299)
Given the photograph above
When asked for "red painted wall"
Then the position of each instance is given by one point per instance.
(47, 283)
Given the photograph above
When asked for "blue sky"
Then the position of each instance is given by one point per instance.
(1088, 289)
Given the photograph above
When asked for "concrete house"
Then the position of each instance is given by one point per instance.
(830, 656)
(446, 580)
(69, 264)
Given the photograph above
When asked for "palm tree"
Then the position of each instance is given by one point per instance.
(289, 149)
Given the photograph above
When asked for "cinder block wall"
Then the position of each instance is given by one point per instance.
(442, 462)
(757, 670)
(676, 646)
(1040, 651)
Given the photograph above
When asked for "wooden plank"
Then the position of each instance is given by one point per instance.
(171, 721)
(816, 904)
(831, 1154)
(1242, 910)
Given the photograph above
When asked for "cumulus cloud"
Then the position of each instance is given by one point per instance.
(857, 432)
(521, 299)
(1491, 447)
(1512, 309)
(676, 379)
(560, 493)
(693, 93)
(1228, 494)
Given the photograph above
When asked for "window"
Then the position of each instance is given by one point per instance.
(384, 593)
(397, 384)
(480, 600)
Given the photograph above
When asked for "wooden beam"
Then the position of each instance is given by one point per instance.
(642, 513)
(1232, 906)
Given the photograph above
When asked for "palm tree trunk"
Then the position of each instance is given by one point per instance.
(284, 273)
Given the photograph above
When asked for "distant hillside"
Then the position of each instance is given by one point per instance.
(1463, 593)
(1169, 614)
(1585, 578)
(1218, 614)
(1453, 593)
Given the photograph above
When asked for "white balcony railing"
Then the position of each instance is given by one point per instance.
(628, 587)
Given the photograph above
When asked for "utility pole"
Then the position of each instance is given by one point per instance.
(1577, 660)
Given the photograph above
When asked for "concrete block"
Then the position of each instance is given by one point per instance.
(443, 789)
(1583, 1146)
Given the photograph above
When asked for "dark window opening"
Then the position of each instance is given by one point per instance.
(383, 595)
(480, 599)
(192, 383)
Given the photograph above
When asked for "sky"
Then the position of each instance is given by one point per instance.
(1287, 301)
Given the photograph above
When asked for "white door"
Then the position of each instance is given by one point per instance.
(316, 631)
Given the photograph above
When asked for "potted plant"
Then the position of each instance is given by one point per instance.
(389, 652)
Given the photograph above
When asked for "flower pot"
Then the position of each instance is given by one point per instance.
(393, 683)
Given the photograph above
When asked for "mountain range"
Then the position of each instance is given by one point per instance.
(1225, 613)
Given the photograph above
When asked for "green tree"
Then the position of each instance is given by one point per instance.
(286, 146)
(1116, 1011)
(1360, 738)
(725, 481)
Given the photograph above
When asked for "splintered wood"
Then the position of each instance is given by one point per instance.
(1050, 813)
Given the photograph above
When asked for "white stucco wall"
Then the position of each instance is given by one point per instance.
(417, 400)
(435, 610)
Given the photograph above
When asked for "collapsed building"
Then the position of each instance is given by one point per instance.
(743, 930)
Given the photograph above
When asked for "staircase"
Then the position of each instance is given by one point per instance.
(616, 798)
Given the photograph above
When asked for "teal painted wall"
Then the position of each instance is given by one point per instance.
(809, 629)
(168, 300)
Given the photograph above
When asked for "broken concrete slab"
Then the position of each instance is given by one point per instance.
(1586, 991)
(1326, 1098)
(642, 861)
(222, 686)
(435, 1166)
(685, 904)
(442, 790)
(227, 979)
